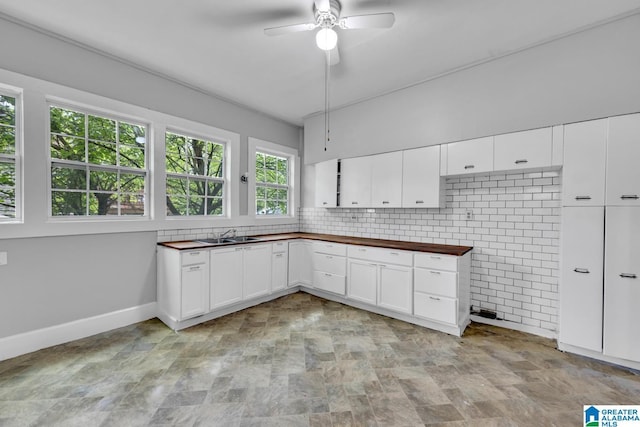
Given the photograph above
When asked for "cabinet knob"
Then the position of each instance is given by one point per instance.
(325, 203)
(581, 270)
(327, 274)
(629, 197)
(435, 257)
(194, 253)
(394, 253)
(354, 203)
(583, 197)
(434, 298)
(385, 202)
(418, 202)
(329, 257)
(197, 267)
(628, 276)
(435, 272)
(469, 166)
(521, 161)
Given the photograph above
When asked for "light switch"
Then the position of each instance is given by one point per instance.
(3, 258)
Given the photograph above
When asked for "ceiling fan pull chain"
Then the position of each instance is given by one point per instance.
(327, 75)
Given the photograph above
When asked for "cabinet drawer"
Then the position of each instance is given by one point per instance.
(385, 256)
(330, 248)
(194, 257)
(436, 261)
(329, 282)
(436, 282)
(330, 263)
(523, 150)
(438, 308)
(279, 247)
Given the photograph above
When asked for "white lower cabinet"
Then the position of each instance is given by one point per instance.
(300, 266)
(256, 271)
(622, 283)
(279, 265)
(580, 310)
(363, 281)
(395, 290)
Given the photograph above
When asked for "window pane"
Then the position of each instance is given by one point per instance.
(282, 166)
(131, 157)
(67, 122)
(103, 181)
(261, 192)
(177, 186)
(282, 178)
(103, 204)
(196, 205)
(272, 207)
(196, 165)
(197, 187)
(282, 208)
(282, 195)
(68, 178)
(132, 183)
(260, 207)
(132, 134)
(270, 176)
(7, 174)
(7, 110)
(196, 147)
(131, 204)
(270, 162)
(214, 189)
(102, 153)
(7, 203)
(102, 129)
(214, 206)
(67, 148)
(176, 206)
(259, 161)
(68, 203)
(174, 145)
(260, 176)
(7, 140)
(214, 169)
(272, 193)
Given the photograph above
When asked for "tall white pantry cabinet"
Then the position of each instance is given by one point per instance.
(600, 288)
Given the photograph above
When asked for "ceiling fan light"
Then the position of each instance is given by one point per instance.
(326, 39)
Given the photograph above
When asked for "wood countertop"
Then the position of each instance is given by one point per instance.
(348, 240)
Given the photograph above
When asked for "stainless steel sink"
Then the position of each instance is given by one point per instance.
(243, 239)
(215, 241)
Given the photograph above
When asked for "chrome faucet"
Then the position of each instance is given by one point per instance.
(231, 230)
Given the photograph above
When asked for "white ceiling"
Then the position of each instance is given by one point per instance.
(219, 46)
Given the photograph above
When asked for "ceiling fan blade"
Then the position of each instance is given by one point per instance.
(375, 20)
(285, 29)
(334, 56)
(322, 5)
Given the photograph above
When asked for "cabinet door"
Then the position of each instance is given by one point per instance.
(327, 184)
(355, 182)
(193, 298)
(256, 270)
(421, 182)
(472, 156)
(623, 161)
(622, 283)
(386, 180)
(523, 150)
(396, 290)
(362, 281)
(279, 271)
(581, 284)
(300, 266)
(585, 150)
(225, 281)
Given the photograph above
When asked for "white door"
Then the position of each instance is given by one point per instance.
(355, 182)
(472, 156)
(362, 281)
(583, 173)
(623, 161)
(327, 184)
(421, 178)
(581, 284)
(256, 271)
(279, 264)
(225, 278)
(622, 283)
(523, 150)
(396, 288)
(386, 180)
(193, 298)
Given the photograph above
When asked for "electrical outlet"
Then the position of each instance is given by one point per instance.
(3, 258)
(468, 214)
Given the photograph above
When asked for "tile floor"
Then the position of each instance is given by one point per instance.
(304, 361)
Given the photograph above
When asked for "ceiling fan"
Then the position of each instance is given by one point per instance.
(327, 16)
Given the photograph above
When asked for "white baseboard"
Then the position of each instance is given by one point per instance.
(28, 342)
(515, 326)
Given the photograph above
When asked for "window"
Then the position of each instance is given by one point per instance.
(8, 159)
(272, 184)
(195, 176)
(98, 165)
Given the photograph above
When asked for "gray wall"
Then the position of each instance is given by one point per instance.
(54, 280)
(588, 75)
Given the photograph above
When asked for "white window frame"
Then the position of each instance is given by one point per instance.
(291, 154)
(96, 111)
(226, 166)
(17, 157)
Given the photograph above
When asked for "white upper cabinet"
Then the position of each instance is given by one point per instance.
(472, 156)
(355, 182)
(583, 176)
(421, 182)
(386, 180)
(623, 161)
(523, 150)
(327, 184)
